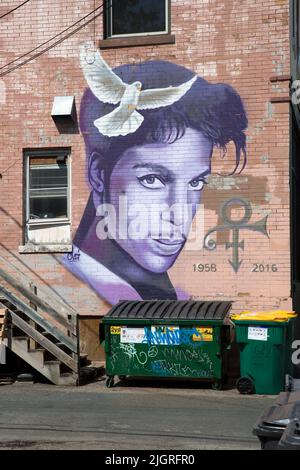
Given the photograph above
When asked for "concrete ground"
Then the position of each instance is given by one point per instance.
(132, 415)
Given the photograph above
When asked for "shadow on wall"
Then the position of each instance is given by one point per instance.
(24, 265)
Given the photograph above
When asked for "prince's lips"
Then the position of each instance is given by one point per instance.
(167, 247)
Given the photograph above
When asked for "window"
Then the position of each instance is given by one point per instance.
(136, 17)
(47, 175)
(47, 188)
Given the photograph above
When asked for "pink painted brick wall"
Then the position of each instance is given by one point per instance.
(241, 43)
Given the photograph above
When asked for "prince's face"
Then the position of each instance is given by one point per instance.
(161, 176)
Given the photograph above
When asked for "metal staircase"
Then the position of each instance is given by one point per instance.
(40, 329)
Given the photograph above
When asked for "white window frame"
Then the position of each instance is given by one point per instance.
(155, 33)
(50, 154)
(46, 235)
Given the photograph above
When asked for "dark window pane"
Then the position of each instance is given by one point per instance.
(48, 208)
(138, 16)
(48, 189)
(48, 176)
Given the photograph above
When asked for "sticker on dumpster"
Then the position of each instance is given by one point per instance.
(115, 330)
(204, 334)
(260, 333)
(132, 335)
(165, 335)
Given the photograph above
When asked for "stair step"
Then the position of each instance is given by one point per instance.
(21, 343)
(16, 331)
(20, 339)
(21, 315)
(13, 308)
(37, 349)
(53, 370)
(63, 347)
(84, 361)
(67, 378)
(50, 369)
(38, 354)
(49, 335)
(66, 374)
(46, 333)
(83, 357)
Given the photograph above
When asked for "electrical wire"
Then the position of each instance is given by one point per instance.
(8, 168)
(54, 37)
(14, 9)
(50, 47)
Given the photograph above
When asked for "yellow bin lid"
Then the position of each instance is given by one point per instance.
(273, 315)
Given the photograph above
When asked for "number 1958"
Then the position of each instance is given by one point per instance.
(205, 268)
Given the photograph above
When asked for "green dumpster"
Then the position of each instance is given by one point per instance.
(170, 339)
(265, 352)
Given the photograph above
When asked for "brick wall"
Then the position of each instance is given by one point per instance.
(239, 43)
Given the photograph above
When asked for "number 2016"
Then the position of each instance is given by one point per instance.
(262, 268)
(205, 268)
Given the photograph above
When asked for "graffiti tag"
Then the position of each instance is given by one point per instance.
(130, 351)
(170, 336)
(74, 256)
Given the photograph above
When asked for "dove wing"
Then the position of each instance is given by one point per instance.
(158, 97)
(103, 82)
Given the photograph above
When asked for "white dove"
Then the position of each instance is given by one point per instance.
(109, 88)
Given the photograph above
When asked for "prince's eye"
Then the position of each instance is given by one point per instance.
(151, 182)
(197, 184)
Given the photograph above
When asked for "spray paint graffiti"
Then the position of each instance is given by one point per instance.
(130, 351)
(185, 355)
(171, 336)
(169, 356)
(114, 357)
(167, 368)
(152, 352)
(74, 256)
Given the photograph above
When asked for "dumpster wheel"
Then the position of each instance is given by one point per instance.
(217, 385)
(110, 382)
(245, 385)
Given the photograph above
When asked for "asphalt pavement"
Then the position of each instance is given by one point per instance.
(132, 415)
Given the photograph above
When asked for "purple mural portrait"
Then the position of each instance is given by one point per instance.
(150, 130)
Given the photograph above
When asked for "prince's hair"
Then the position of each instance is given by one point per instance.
(216, 110)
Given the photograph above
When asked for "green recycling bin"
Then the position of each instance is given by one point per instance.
(170, 339)
(265, 354)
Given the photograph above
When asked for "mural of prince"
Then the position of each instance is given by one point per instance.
(150, 130)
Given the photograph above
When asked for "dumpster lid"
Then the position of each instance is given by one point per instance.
(171, 309)
(273, 315)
